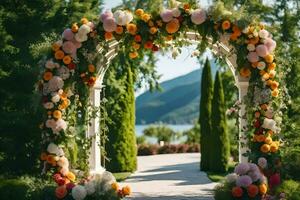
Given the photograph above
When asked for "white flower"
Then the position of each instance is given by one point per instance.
(51, 65)
(255, 33)
(81, 37)
(55, 98)
(128, 17)
(269, 124)
(79, 192)
(55, 84)
(84, 29)
(231, 178)
(64, 72)
(246, 30)
(195, 53)
(123, 17)
(108, 177)
(53, 149)
(61, 91)
(50, 123)
(261, 65)
(59, 125)
(48, 105)
(63, 162)
(64, 171)
(176, 12)
(90, 187)
(251, 47)
(263, 34)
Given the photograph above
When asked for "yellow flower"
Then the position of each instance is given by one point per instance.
(265, 148)
(272, 66)
(74, 28)
(71, 176)
(268, 140)
(133, 54)
(263, 188)
(57, 114)
(67, 60)
(126, 190)
(139, 12)
(115, 186)
(146, 17)
(226, 25)
(59, 55)
(172, 26)
(274, 147)
(55, 46)
(136, 46)
(275, 93)
(153, 30)
(269, 58)
(47, 76)
(84, 20)
(119, 30)
(91, 68)
(131, 28)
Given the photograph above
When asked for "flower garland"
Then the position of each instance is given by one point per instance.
(73, 66)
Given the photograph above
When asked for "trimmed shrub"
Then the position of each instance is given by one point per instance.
(193, 148)
(152, 149)
(291, 160)
(222, 192)
(290, 189)
(146, 150)
(167, 149)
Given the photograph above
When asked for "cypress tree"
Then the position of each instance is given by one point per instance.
(220, 141)
(205, 115)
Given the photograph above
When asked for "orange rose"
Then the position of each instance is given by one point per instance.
(91, 68)
(108, 36)
(268, 140)
(145, 17)
(236, 31)
(126, 190)
(61, 192)
(57, 114)
(51, 160)
(274, 147)
(263, 189)
(266, 76)
(245, 72)
(136, 46)
(84, 20)
(272, 66)
(257, 114)
(131, 28)
(237, 192)
(59, 55)
(74, 28)
(269, 58)
(55, 46)
(71, 176)
(260, 138)
(275, 93)
(148, 45)
(67, 60)
(137, 38)
(139, 12)
(115, 186)
(173, 26)
(226, 25)
(47, 76)
(274, 85)
(153, 30)
(252, 190)
(119, 30)
(133, 55)
(265, 148)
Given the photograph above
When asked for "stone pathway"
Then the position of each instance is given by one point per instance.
(170, 177)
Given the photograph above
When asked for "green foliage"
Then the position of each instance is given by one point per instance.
(205, 116)
(160, 132)
(219, 138)
(290, 188)
(291, 160)
(141, 139)
(192, 135)
(222, 192)
(121, 176)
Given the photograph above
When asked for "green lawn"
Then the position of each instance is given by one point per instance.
(217, 177)
(121, 176)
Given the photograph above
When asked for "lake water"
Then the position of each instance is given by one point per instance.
(178, 127)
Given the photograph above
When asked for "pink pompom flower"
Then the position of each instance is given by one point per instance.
(262, 50)
(109, 24)
(69, 47)
(198, 16)
(68, 34)
(253, 57)
(242, 168)
(244, 181)
(105, 15)
(166, 15)
(270, 44)
(262, 162)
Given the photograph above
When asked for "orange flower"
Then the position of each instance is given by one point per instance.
(91, 81)
(150, 23)
(131, 28)
(263, 189)
(91, 68)
(115, 186)
(71, 176)
(272, 66)
(236, 31)
(148, 45)
(257, 114)
(153, 30)
(245, 72)
(266, 76)
(274, 147)
(67, 59)
(233, 37)
(159, 23)
(169, 37)
(252, 190)
(254, 40)
(274, 85)
(43, 156)
(254, 65)
(260, 138)
(226, 25)
(186, 6)
(119, 30)
(57, 114)
(262, 72)
(61, 192)
(269, 140)
(64, 104)
(173, 26)
(237, 192)
(47, 76)
(275, 93)
(74, 28)
(126, 190)
(133, 54)
(51, 160)
(137, 38)
(63, 96)
(139, 12)
(136, 46)
(84, 20)
(59, 55)
(108, 36)
(55, 46)
(269, 58)
(265, 148)
(146, 17)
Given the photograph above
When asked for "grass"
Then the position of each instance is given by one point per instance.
(218, 177)
(121, 176)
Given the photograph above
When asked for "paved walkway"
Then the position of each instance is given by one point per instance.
(170, 177)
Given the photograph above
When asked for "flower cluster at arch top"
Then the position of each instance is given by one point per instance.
(145, 32)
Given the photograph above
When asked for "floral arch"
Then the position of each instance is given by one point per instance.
(71, 81)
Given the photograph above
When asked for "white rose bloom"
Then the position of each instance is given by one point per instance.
(64, 72)
(246, 30)
(51, 65)
(270, 124)
(50, 123)
(81, 37)
(128, 17)
(251, 47)
(108, 177)
(48, 105)
(55, 98)
(55, 84)
(84, 29)
(176, 12)
(59, 125)
(53, 149)
(119, 16)
(261, 65)
(90, 187)
(61, 91)
(263, 34)
(64, 171)
(63, 162)
(79, 192)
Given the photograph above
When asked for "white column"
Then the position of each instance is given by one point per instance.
(93, 131)
(243, 89)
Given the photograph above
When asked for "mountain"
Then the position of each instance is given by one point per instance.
(177, 103)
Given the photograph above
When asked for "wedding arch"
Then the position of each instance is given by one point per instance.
(72, 75)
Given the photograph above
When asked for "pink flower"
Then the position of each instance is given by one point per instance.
(68, 34)
(69, 47)
(244, 181)
(270, 44)
(76, 43)
(242, 168)
(109, 24)
(105, 15)
(255, 176)
(198, 16)
(263, 33)
(262, 162)
(252, 57)
(166, 15)
(274, 180)
(262, 50)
